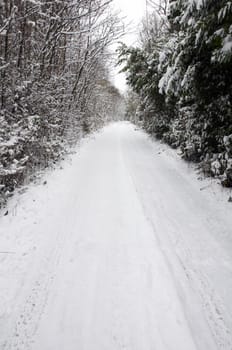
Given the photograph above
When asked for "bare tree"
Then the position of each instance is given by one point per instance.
(51, 57)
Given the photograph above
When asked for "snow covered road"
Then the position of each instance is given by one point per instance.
(123, 249)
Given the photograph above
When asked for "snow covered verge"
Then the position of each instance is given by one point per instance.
(27, 147)
(122, 246)
(28, 242)
(210, 186)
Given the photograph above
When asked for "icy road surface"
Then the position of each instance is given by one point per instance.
(123, 249)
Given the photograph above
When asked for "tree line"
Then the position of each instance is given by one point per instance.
(181, 80)
(54, 80)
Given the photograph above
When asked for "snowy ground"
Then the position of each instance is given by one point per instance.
(123, 248)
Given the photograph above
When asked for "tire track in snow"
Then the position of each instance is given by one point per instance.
(181, 259)
(123, 273)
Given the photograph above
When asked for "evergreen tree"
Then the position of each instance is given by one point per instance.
(183, 75)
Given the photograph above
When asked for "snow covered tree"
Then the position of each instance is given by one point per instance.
(201, 64)
(50, 54)
(183, 75)
(142, 68)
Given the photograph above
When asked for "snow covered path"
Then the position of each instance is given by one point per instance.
(120, 250)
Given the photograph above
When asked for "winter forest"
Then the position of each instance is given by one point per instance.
(181, 80)
(115, 174)
(54, 85)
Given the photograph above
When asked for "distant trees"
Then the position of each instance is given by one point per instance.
(53, 59)
(182, 74)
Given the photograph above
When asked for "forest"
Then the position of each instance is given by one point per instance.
(180, 78)
(56, 59)
(54, 80)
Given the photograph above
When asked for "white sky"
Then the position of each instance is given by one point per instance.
(134, 11)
